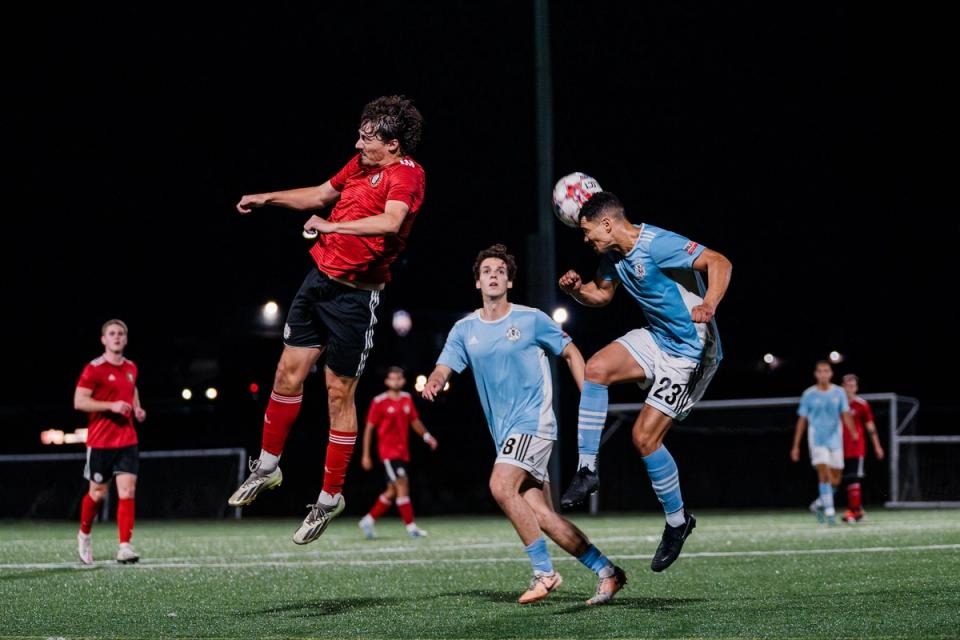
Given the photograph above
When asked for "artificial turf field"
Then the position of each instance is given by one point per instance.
(750, 574)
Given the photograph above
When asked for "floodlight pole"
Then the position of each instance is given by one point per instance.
(541, 263)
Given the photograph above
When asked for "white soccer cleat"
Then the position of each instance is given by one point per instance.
(255, 483)
(416, 532)
(126, 554)
(366, 525)
(85, 547)
(317, 520)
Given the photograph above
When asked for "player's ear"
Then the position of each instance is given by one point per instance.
(393, 146)
(478, 284)
(509, 284)
(103, 340)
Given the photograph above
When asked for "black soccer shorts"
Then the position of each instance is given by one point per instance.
(103, 464)
(341, 319)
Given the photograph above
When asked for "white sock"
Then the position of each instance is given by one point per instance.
(268, 461)
(412, 526)
(676, 518)
(367, 520)
(588, 460)
(328, 500)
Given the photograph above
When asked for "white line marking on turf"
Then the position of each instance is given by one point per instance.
(219, 564)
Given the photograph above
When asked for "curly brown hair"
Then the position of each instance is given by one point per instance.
(394, 118)
(496, 251)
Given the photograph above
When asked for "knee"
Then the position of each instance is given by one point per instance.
(127, 494)
(501, 490)
(98, 493)
(597, 371)
(645, 442)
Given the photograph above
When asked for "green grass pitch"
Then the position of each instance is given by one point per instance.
(751, 574)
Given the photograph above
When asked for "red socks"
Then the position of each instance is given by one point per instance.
(281, 412)
(853, 497)
(380, 507)
(125, 519)
(405, 509)
(339, 450)
(88, 511)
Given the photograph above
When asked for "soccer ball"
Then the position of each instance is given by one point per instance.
(570, 193)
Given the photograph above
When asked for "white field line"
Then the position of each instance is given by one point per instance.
(219, 564)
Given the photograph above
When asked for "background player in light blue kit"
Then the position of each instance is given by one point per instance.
(824, 406)
(675, 356)
(504, 345)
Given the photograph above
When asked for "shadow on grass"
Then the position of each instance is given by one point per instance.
(44, 573)
(579, 600)
(315, 608)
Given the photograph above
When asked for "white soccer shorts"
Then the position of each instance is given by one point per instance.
(833, 458)
(528, 452)
(676, 383)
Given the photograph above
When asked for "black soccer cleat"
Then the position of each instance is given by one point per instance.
(583, 484)
(672, 542)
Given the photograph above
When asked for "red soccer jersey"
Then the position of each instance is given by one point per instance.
(393, 418)
(109, 383)
(364, 192)
(861, 413)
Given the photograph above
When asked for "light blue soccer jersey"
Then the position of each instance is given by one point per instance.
(822, 410)
(510, 368)
(658, 274)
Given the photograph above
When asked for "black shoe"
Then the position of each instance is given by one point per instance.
(672, 542)
(583, 484)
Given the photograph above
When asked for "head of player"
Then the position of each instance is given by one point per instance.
(823, 373)
(494, 271)
(851, 384)
(390, 129)
(113, 337)
(395, 380)
(604, 223)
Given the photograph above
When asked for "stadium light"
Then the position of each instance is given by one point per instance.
(771, 361)
(270, 312)
(836, 357)
(402, 322)
(560, 315)
(211, 393)
(254, 387)
(186, 394)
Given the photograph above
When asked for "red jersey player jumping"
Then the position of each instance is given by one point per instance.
(107, 390)
(855, 450)
(393, 414)
(377, 195)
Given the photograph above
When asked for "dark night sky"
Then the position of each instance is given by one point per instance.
(809, 144)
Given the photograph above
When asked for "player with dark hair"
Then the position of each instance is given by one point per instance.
(107, 390)
(675, 356)
(391, 415)
(375, 199)
(504, 345)
(855, 450)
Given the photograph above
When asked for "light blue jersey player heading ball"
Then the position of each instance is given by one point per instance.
(674, 356)
(506, 346)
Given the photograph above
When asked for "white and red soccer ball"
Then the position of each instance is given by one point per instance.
(570, 193)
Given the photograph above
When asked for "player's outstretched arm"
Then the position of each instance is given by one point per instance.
(367, 461)
(574, 359)
(875, 439)
(718, 270)
(303, 199)
(598, 293)
(797, 436)
(436, 381)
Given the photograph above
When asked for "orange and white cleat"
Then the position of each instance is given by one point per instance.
(540, 587)
(609, 586)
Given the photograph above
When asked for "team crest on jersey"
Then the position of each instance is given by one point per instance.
(375, 179)
(640, 270)
(129, 376)
(513, 333)
(406, 409)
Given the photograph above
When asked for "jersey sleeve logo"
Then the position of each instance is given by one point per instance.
(407, 162)
(690, 247)
(513, 333)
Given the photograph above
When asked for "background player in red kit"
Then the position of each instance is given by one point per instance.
(393, 414)
(107, 390)
(377, 196)
(854, 451)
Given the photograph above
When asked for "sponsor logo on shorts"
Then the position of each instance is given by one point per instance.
(98, 477)
(286, 330)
